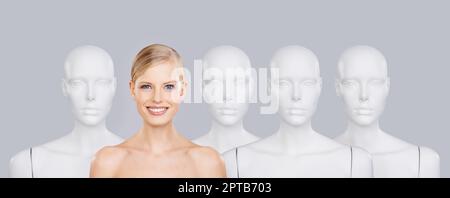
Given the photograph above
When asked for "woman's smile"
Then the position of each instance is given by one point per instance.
(157, 110)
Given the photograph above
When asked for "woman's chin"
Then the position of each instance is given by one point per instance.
(158, 122)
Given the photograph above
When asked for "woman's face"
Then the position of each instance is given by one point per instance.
(158, 92)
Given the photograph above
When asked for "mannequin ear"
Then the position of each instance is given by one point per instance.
(114, 84)
(64, 87)
(320, 83)
(388, 84)
(337, 86)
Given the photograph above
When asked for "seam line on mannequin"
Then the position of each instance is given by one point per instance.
(237, 163)
(31, 160)
(418, 171)
(351, 162)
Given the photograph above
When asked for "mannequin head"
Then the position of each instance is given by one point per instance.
(363, 84)
(226, 83)
(157, 84)
(89, 83)
(298, 85)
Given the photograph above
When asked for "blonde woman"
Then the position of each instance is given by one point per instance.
(157, 149)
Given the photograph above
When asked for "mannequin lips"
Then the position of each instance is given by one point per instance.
(228, 111)
(90, 111)
(157, 110)
(297, 111)
(363, 111)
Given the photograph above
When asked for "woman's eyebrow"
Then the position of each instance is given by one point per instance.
(173, 81)
(144, 82)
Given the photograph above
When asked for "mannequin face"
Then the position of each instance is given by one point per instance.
(299, 86)
(226, 84)
(364, 86)
(89, 84)
(158, 92)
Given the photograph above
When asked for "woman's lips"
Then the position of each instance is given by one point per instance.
(157, 111)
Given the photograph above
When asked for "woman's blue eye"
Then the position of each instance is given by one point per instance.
(145, 87)
(169, 87)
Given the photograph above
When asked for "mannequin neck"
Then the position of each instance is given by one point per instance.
(299, 136)
(83, 130)
(88, 139)
(357, 130)
(364, 136)
(221, 131)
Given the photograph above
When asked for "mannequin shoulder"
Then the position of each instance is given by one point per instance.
(343, 139)
(20, 164)
(429, 162)
(361, 163)
(20, 157)
(208, 161)
(106, 160)
(115, 139)
(429, 154)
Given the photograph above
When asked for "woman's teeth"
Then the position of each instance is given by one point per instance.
(157, 110)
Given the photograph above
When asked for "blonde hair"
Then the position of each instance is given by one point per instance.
(151, 55)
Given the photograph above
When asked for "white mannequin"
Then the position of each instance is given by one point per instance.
(296, 150)
(90, 85)
(363, 84)
(226, 89)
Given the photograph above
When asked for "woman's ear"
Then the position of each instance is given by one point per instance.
(132, 87)
(183, 89)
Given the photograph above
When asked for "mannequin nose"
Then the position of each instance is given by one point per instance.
(228, 92)
(296, 93)
(363, 94)
(91, 93)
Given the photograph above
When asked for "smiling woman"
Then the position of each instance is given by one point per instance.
(157, 86)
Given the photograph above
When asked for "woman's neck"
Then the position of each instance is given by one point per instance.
(158, 139)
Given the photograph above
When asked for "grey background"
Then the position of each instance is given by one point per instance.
(35, 37)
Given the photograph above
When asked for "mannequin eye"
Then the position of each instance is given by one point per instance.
(76, 83)
(309, 82)
(283, 83)
(377, 82)
(103, 82)
(348, 83)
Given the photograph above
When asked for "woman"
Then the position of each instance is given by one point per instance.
(157, 150)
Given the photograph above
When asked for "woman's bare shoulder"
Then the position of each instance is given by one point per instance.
(107, 160)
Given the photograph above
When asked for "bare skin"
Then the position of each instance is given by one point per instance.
(148, 154)
(157, 149)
